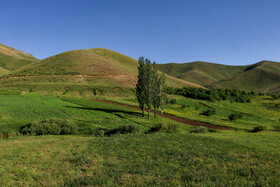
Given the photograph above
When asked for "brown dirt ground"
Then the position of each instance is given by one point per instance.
(172, 117)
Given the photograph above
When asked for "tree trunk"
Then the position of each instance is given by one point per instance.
(161, 113)
(155, 114)
(143, 110)
(148, 113)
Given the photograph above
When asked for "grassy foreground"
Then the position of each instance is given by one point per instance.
(220, 159)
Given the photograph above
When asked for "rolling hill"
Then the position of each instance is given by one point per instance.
(262, 77)
(90, 67)
(12, 59)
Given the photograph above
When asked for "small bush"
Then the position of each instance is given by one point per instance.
(209, 112)
(199, 130)
(6, 134)
(99, 133)
(166, 128)
(234, 116)
(173, 101)
(50, 127)
(183, 106)
(125, 129)
(259, 128)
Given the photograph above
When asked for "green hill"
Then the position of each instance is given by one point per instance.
(90, 67)
(202, 73)
(263, 76)
(12, 59)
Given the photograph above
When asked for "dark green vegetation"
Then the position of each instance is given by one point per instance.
(260, 77)
(12, 59)
(150, 88)
(214, 94)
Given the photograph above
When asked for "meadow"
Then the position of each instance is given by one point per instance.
(234, 157)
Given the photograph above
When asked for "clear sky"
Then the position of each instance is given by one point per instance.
(234, 32)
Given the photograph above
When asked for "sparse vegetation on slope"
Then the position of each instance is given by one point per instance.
(90, 67)
(12, 59)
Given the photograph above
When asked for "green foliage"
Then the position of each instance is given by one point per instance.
(199, 130)
(165, 128)
(213, 95)
(275, 97)
(209, 112)
(150, 87)
(140, 86)
(235, 116)
(259, 128)
(183, 106)
(52, 126)
(124, 129)
(173, 101)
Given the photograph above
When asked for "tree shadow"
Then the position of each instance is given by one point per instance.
(111, 111)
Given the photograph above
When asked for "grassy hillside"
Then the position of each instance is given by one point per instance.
(91, 67)
(11, 59)
(262, 77)
(202, 73)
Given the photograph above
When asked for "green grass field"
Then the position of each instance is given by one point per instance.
(223, 158)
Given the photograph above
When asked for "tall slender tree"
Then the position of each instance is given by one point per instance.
(162, 93)
(140, 86)
(156, 89)
(149, 83)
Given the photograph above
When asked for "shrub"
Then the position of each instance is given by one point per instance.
(209, 112)
(52, 126)
(234, 116)
(124, 129)
(199, 130)
(4, 133)
(277, 128)
(259, 128)
(173, 101)
(183, 106)
(166, 128)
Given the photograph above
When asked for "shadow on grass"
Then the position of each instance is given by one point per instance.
(111, 111)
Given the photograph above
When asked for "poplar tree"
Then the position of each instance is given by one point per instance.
(140, 86)
(156, 89)
(149, 83)
(162, 93)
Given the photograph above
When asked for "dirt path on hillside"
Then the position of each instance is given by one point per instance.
(172, 117)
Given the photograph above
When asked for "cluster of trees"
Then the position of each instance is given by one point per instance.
(213, 95)
(151, 87)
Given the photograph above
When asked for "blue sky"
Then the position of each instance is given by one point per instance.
(235, 32)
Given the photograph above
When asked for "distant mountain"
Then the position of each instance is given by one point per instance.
(98, 67)
(12, 59)
(261, 77)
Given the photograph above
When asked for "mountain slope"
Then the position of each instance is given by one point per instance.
(262, 77)
(11, 59)
(98, 67)
(202, 73)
